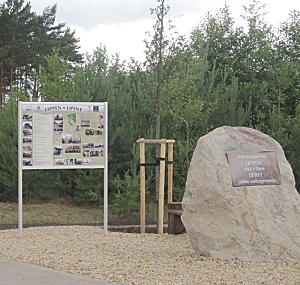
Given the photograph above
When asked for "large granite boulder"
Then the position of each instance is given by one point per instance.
(229, 210)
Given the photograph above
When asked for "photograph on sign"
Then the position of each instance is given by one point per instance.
(254, 168)
(63, 135)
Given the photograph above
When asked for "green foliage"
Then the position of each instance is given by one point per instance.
(55, 85)
(9, 151)
(88, 187)
(220, 75)
(39, 185)
(127, 197)
(63, 185)
(200, 97)
(25, 39)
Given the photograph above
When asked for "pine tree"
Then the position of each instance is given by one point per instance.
(25, 39)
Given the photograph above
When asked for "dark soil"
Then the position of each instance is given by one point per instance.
(128, 223)
(130, 219)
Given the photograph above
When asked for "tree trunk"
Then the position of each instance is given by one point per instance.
(158, 94)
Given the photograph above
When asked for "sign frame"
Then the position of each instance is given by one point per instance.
(36, 127)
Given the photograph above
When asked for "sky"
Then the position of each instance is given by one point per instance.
(121, 25)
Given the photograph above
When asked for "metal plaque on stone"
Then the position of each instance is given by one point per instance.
(254, 168)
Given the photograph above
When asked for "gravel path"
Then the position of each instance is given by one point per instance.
(135, 258)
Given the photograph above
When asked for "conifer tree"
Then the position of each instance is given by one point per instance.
(25, 39)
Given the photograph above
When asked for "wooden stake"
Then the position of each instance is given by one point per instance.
(142, 187)
(154, 141)
(162, 163)
(161, 187)
(170, 172)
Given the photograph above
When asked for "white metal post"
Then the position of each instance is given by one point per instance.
(20, 176)
(106, 169)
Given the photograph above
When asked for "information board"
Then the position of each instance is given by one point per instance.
(254, 168)
(63, 135)
(57, 135)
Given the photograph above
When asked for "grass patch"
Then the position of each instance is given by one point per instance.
(50, 213)
(59, 212)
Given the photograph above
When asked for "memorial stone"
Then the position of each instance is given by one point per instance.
(240, 200)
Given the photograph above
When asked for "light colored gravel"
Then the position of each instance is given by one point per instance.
(136, 258)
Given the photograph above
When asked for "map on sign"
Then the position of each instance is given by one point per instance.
(66, 135)
(71, 119)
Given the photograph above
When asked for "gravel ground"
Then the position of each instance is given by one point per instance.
(136, 258)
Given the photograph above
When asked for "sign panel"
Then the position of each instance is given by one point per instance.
(63, 135)
(254, 168)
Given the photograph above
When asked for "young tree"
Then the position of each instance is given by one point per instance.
(156, 51)
(55, 84)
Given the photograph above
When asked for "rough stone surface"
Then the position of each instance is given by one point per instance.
(251, 223)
